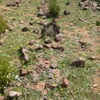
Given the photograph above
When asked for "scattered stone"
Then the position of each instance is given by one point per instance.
(25, 29)
(65, 82)
(66, 12)
(54, 65)
(61, 48)
(51, 29)
(31, 42)
(24, 52)
(95, 85)
(14, 94)
(82, 43)
(40, 86)
(47, 45)
(2, 98)
(48, 41)
(54, 46)
(13, 4)
(56, 72)
(31, 23)
(93, 58)
(80, 62)
(52, 86)
(67, 3)
(1, 42)
(58, 37)
(23, 72)
(36, 30)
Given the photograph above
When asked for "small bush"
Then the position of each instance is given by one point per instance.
(5, 72)
(54, 8)
(3, 25)
(98, 23)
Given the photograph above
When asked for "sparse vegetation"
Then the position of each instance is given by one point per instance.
(54, 8)
(80, 39)
(3, 25)
(6, 71)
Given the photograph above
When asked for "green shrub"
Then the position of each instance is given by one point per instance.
(98, 23)
(3, 25)
(54, 8)
(5, 72)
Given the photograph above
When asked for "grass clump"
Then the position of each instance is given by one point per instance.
(54, 8)
(5, 72)
(3, 25)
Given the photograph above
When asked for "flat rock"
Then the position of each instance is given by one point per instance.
(31, 42)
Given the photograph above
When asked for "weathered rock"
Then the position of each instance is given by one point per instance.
(2, 98)
(58, 37)
(66, 12)
(14, 94)
(25, 29)
(31, 42)
(80, 62)
(24, 52)
(51, 29)
(65, 82)
(48, 41)
(1, 42)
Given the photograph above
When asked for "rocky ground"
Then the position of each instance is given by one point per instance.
(54, 59)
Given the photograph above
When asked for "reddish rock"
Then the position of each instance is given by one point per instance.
(65, 82)
(56, 72)
(2, 98)
(53, 85)
(40, 86)
(1, 42)
(23, 72)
